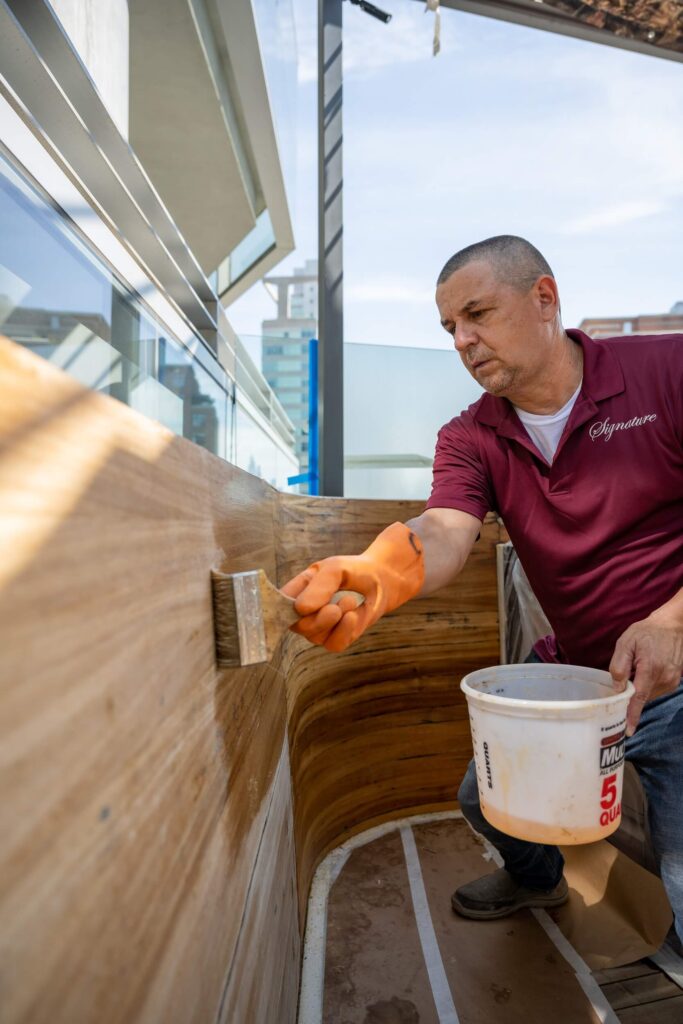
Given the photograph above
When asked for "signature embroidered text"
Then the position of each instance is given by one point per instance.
(605, 429)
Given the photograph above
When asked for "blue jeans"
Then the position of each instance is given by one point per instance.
(656, 750)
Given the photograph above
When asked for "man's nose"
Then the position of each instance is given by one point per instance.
(464, 336)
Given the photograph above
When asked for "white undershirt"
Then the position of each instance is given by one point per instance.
(546, 431)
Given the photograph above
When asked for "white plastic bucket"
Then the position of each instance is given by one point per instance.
(549, 750)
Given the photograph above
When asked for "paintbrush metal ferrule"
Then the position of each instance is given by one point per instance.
(251, 629)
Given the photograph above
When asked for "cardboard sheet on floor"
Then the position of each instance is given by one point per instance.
(617, 911)
(504, 971)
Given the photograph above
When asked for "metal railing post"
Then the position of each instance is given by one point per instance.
(330, 256)
(313, 470)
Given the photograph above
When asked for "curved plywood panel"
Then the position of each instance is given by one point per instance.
(380, 730)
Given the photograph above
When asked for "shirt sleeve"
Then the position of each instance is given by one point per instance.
(459, 478)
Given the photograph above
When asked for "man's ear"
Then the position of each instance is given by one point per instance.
(547, 297)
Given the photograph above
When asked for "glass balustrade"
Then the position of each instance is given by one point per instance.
(59, 299)
(395, 400)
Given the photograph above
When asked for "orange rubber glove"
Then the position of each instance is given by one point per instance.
(387, 574)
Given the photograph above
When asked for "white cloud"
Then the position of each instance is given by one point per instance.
(613, 216)
(390, 291)
(518, 131)
(610, 140)
(622, 107)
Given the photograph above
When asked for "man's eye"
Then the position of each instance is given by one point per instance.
(476, 313)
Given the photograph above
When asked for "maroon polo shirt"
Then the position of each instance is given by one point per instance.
(600, 531)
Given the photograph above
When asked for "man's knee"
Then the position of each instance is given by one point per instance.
(468, 794)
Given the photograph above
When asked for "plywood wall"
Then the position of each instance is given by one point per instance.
(160, 821)
(145, 829)
(380, 730)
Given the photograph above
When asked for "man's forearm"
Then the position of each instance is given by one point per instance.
(445, 550)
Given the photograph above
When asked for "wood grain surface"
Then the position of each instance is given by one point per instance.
(136, 780)
(149, 849)
(382, 729)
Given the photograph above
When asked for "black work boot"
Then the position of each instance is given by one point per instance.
(497, 895)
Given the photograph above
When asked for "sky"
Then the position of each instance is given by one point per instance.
(509, 130)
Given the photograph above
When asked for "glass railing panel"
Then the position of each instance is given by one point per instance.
(60, 300)
(205, 404)
(253, 246)
(407, 484)
(396, 398)
(252, 382)
(253, 346)
(246, 253)
(261, 454)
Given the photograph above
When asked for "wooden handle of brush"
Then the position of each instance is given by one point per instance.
(292, 616)
(279, 616)
(336, 598)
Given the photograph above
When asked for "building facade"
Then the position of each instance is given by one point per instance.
(143, 187)
(285, 346)
(648, 323)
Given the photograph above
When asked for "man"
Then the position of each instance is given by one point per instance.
(578, 445)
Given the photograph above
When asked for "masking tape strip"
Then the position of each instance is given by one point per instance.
(443, 999)
(594, 993)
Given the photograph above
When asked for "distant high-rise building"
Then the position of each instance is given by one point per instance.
(655, 323)
(285, 341)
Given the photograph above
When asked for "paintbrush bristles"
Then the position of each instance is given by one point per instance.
(250, 617)
(225, 620)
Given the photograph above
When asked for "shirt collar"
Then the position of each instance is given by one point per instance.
(602, 378)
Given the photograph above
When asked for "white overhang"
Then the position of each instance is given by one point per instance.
(202, 124)
(238, 42)
(183, 127)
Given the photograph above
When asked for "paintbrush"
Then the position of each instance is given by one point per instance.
(251, 616)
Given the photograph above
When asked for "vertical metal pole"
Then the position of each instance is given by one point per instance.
(313, 471)
(330, 258)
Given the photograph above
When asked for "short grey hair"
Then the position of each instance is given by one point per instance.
(515, 261)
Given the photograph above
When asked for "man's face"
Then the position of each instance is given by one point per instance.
(496, 329)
